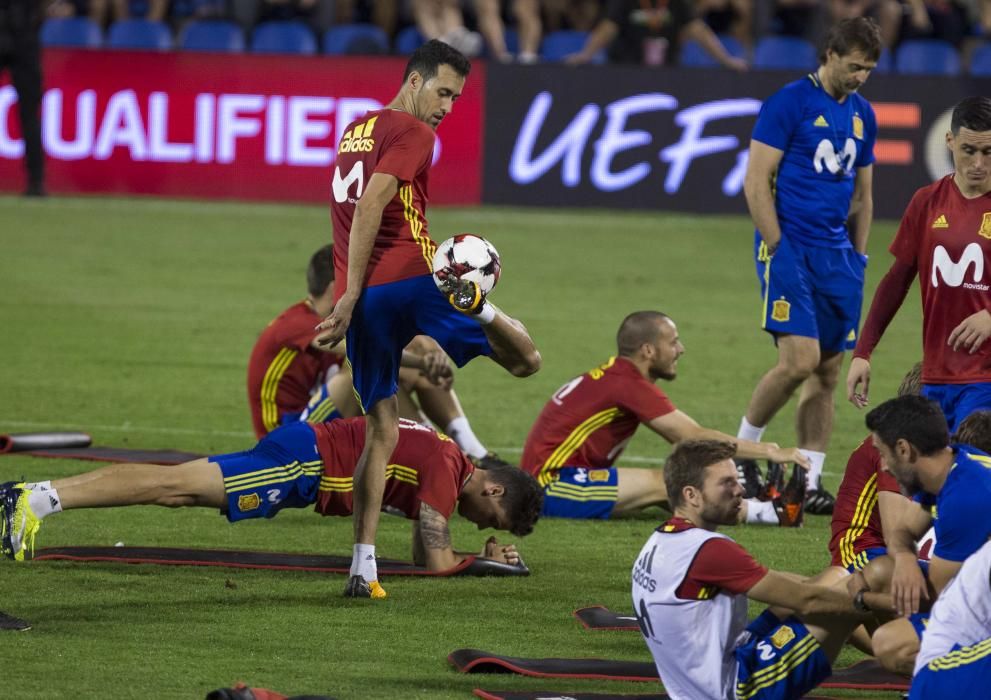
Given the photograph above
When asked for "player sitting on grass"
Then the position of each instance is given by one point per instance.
(291, 377)
(293, 467)
(582, 430)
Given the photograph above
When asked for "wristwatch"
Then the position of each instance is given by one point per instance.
(858, 602)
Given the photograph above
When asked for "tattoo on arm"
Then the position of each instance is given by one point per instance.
(433, 529)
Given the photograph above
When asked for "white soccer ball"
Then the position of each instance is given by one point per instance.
(467, 257)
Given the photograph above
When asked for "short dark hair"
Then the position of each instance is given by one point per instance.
(972, 113)
(636, 329)
(856, 34)
(686, 465)
(522, 498)
(428, 59)
(320, 273)
(915, 419)
(912, 382)
(975, 430)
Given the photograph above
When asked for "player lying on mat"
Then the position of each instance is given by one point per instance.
(296, 466)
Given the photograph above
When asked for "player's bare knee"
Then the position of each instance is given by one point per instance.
(895, 646)
(877, 574)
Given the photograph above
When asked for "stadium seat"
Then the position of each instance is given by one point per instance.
(292, 36)
(927, 57)
(408, 40)
(785, 53)
(212, 35)
(355, 39)
(139, 34)
(71, 31)
(561, 43)
(980, 61)
(692, 53)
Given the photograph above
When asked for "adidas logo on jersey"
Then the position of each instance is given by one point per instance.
(359, 139)
(941, 222)
(820, 121)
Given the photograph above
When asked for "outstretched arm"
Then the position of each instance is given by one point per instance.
(432, 544)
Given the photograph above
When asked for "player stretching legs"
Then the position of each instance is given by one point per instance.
(383, 264)
(814, 139)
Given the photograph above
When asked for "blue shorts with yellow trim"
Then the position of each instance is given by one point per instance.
(282, 471)
(580, 492)
(812, 292)
(964, 672)
(780, 661)
(920, 621)
(959, 400)
(320, 408)
(385, 320)
(861, 558)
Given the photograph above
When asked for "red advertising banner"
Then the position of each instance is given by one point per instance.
(221, 126)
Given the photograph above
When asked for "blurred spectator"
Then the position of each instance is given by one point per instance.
(443, 19)
(887, 13)
(638, 31)
(948, 20)
(799, 18)
(527, 16)
(20, 53)
(580, 15)
(383, 13)
(730, 17)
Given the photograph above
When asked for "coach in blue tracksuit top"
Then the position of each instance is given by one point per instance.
(810, 169)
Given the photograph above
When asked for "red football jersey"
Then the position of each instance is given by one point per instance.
(856, 519)
(720, 565)
(425, 467)
(399, 144)
(284, 369)
(948, 238)
(588, 422)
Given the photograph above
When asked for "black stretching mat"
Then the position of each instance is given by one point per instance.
(557, 695)
(239, 559)
(68, 445)
(598, 617)
(864, 675)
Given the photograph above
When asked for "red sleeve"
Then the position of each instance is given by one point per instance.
(725, 565)
(409, 153)
(887, 300)
(905, 246)
(645, 401)
(300, 333)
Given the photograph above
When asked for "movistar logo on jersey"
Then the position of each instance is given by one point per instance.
(941, 222)
(826, 157)
(358, 140)
(954, 272)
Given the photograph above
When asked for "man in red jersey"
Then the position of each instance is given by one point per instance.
(299, 465)
(291, 377)
(385, 290)
(582, 431)
(945, 238)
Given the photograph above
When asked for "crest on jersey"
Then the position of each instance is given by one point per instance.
(782, 636)
(781, 310)
(249, 501)
(858, 127)
(985, 229)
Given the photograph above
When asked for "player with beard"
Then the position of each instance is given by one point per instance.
(690, 590)
(581, 432)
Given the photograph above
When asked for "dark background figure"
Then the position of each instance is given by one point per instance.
(20, 53)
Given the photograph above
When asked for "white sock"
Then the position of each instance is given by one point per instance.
(461, 432)
(44, 503)
(815, 470)
(761, 512)
(750, 432)
(39, 486)
(363, 562)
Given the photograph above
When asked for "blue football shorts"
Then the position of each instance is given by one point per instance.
(811, 292)
(964, 672)
(385, 320)
(582, 493)
(780, 661)
(959, 400)
(860, 559)
(320, 408)
(282, 471)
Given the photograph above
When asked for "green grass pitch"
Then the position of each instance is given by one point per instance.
(133, 320)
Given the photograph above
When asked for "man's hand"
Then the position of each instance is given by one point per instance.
(437, 369)
(908, 585)
(859, 373)
(505, 553)
(783, 455)
(972, 332)
(335, 326)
